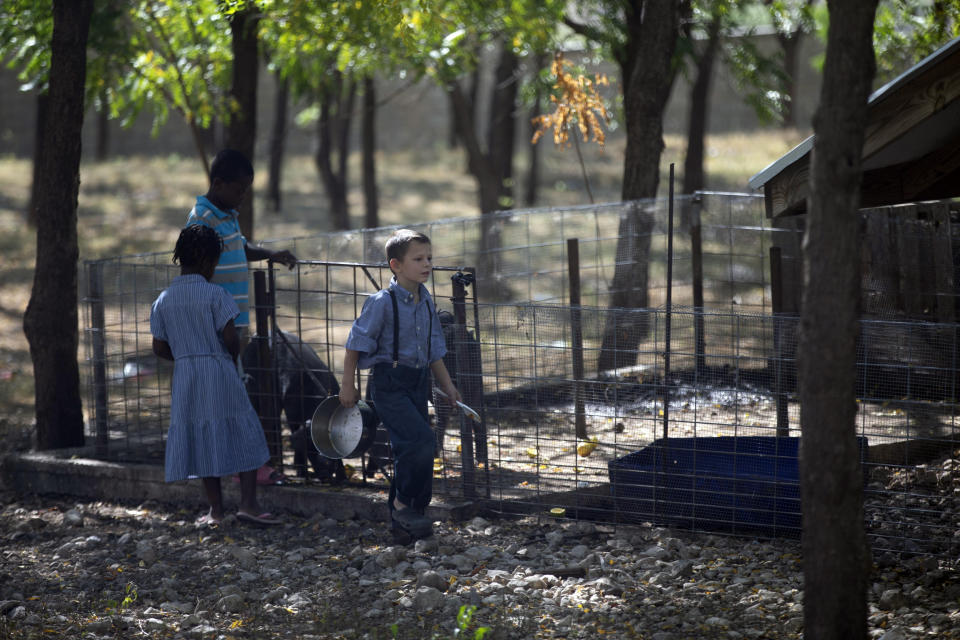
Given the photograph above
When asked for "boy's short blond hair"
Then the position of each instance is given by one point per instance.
(399, 243)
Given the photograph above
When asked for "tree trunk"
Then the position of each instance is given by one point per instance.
(477, 160)
(39, 128)
(533, 155)
(102, 150)
(336, 106)
(790, 43)
(693, 175)
(836, 562)
(456, 122)
(493, 169)
(50, 321)
(501, 133)
(371, 218)
(647, 76)
(278, 137)
(242, 128)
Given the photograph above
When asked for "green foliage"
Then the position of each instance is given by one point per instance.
(130, 596)
(906, 31)
(179, 58)
(307, 42)
(792, 16)
(465, 620)
(26, 29)
(760, 77)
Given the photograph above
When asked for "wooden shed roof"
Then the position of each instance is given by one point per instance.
(911, 149)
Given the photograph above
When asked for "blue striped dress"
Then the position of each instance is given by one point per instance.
(214, 430)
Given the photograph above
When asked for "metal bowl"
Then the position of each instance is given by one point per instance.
(338, 432)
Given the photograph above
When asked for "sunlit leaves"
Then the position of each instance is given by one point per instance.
(906, 31)
(181, 60)
(577, 103)
(26, 27)
(760, 77)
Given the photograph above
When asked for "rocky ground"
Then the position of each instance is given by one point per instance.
(110, 570)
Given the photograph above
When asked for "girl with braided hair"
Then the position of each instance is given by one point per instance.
(214, 430)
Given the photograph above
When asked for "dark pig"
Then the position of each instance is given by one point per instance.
(301, 381)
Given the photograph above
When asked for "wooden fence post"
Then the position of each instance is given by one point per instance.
(576, 326)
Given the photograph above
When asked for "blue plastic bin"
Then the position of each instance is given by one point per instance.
(732, 484)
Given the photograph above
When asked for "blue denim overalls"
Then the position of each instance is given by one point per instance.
(400, 396)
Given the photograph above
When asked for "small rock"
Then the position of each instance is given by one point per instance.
(427, 598)
(425, 545)
(608, 586)
(432, 579)
(230, 604)
(243, 556)
(153, 624)
(891, 600)
(202, 631)
(73, 518)
(554, 538)
(99, 626)
(579, 552)
(146, 552)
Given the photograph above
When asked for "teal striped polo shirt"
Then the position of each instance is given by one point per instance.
(232, 272)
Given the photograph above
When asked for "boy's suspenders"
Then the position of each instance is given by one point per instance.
(396, 330)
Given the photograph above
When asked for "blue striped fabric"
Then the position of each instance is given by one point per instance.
(214, 430)
(232, 271)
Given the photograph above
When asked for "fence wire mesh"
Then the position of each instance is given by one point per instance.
(702, 433)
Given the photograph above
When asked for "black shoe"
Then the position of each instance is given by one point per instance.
(400, 536)
(411, 523)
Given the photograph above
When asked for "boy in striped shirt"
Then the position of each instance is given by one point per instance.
(231, 175)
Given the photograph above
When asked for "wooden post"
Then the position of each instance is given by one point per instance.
(468, 470)
(776, 295)
(576, 327)
(98, 345)
(269, 409)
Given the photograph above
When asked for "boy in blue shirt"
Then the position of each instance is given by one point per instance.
(231, 175)
(398, 336)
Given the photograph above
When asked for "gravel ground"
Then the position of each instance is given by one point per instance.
(111, 570)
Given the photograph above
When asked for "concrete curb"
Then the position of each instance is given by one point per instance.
(70, 472)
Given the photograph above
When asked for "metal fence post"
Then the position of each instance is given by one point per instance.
(696, 256)
(668, 319)
(776, 295)
(269, 409)
(98, 347)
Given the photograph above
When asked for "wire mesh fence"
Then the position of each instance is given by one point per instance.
(700, 429)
